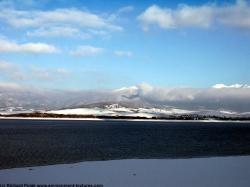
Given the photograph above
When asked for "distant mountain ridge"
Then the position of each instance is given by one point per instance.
(128, 101)
(138, 109)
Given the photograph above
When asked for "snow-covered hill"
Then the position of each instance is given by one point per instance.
(148, 112)
(141, 100)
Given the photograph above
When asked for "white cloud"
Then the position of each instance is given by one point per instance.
(45, 74)
(11, 46)
(87, 50)
(9, 85)
(59, 31)
(35, 18)
(129, 90)
(14, 72)
(58, 22)
(123, 53)
(155, 15)
(184, 16)
(98, 32)
(11, 71)
(62, 71)
(237, 98)
(219, 86)
(125, 9)
(4, 65)
(20, 3)
(235, 15)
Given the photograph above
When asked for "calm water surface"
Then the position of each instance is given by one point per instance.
(43, 142)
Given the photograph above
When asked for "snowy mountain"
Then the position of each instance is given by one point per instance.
(142, 100)
(129, 110)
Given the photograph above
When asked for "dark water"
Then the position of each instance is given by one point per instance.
(43, 142)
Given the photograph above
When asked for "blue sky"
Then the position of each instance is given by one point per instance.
(111, 44)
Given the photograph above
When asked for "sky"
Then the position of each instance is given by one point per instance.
(76, 45)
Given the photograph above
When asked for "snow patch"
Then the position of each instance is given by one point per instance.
(197, 172)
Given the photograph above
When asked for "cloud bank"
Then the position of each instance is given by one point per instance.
(204, 16)
(235, 98)
(219, 86)
(228, 98)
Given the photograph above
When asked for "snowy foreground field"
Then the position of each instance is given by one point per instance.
(197, 172)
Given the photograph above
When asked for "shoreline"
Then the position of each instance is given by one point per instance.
(119, 119)
(127, 159)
